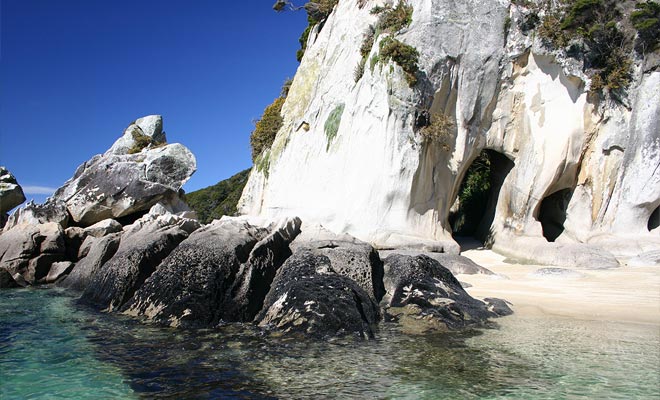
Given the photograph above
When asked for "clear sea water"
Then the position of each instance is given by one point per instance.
(50, 348)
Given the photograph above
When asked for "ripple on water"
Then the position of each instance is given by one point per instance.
(50, 347)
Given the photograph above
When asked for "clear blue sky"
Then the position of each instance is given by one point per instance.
(74, 73)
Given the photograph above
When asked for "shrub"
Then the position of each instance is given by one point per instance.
(141, 141)
(646, 20)
(331, 126)
(439, 130)
(593, 28)
(472, 196)
(220, 199)
(393, 19)
(365, 49)
(404, 55)
(265, 129)
(359, 70)
(317, 12)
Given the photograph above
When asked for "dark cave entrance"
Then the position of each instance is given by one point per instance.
(474, 210)
(654, 219)
(552, 213)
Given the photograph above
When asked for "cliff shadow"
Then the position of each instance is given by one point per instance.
(473, 211)
(552, 213)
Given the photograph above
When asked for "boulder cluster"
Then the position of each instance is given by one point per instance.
(119, 236)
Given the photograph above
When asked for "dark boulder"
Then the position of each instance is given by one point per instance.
(7, 280)
(140, 251)
(423, 295)
(98, 252)
(308, 297)
(348, 256)
(217, 274)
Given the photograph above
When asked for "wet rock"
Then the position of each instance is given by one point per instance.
(498, 306)
(308, 297)
(254, 278)
(98, 252)
(140, 251)
(7, 280)
(221, 272)
(423, 295)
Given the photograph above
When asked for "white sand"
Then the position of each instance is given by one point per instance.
(626, 294)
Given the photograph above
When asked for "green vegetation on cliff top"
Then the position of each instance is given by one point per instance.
(220, 199)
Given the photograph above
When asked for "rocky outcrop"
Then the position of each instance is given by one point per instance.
(143, 246)
(307, 297)
(348, 256)
(458, 265)
(29, 250)
(119, 185)
(11, 194)
(139, 171)
(97, 252)
(567, 167)
(191, 287)
(423, 295)
(34, 214)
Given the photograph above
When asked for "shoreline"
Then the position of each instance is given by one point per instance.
(625, 294)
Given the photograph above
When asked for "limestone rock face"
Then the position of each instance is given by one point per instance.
(423, 295)
(307, 297)
(570, 168)
(11, 193)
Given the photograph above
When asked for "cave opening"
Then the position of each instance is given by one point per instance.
(552, 213)
(473, 212)
(654, 219)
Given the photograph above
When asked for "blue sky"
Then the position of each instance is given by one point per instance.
(74, 73)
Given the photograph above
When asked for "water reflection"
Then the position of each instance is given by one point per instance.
(120, 357)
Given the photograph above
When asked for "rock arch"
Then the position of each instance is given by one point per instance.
(474, 208)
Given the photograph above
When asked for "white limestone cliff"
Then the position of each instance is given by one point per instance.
(378, 180)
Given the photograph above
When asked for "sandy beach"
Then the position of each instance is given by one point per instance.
(626, 294)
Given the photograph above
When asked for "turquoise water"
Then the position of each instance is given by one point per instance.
(52, 348)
